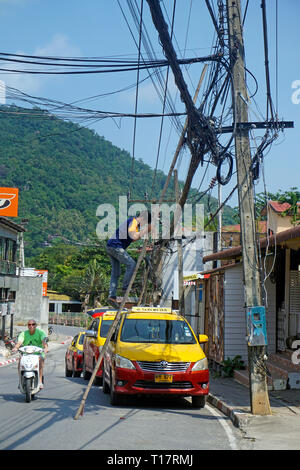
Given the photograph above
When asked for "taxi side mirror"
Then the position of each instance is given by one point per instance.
(203, 338)
(91, 333)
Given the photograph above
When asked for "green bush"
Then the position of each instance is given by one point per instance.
(229, 365)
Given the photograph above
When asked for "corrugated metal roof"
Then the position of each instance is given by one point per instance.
(279, 207)
(262, 227)
(291, 234)
(13, 225)
(57, 296)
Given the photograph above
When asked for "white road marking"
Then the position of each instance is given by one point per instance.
(224, 423)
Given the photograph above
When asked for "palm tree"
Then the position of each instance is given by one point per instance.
(94, 285)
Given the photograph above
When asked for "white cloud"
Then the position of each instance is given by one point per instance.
(59, 46)
(148, 95)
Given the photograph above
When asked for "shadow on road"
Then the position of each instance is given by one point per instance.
(49, 408)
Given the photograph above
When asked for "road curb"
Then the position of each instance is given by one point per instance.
(14, 359)
(8, 361)
(238, 417)
(67, 340)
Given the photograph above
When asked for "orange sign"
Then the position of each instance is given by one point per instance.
(9, 202)
(45, 279)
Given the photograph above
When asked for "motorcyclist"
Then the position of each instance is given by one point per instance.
(34, 337)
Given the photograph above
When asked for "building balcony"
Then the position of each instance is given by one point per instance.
(8, 267)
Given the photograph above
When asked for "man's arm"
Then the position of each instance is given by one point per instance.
(134, 233)
(44, 340)
(19, 343)
(45, 345)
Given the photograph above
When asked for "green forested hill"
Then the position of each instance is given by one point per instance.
(63, 172)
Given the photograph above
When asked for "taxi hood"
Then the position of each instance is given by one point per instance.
(158, 352)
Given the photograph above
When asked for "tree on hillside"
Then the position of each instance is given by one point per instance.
(94, 287)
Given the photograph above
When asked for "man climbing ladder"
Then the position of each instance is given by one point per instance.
(131, 230)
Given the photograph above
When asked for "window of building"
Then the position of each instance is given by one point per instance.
(8, 249)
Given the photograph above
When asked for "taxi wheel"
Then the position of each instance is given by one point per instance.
(75, 372)
(98, 380)
(68, 372)
(115, 398)
(86, 374)
(105, 387)
(198, 401)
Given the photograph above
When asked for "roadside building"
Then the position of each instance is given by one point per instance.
(62, 303)
(9, 279)
(215, 297)
(225, 316)
(31, 299)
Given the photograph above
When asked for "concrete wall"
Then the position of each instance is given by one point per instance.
(235, 328)
(30, 302)
(8, 232)
(277, 222)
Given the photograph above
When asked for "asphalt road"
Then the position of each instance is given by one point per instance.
(47, 423)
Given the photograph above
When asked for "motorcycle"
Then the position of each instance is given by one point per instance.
(9, 343)
(29, 375)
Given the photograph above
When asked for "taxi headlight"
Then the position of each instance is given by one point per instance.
(123, 362)
(200, 365)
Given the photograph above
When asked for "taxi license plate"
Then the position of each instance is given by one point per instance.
(164, 378)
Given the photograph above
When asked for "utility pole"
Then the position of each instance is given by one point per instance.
(21, 253)
(256, 354)
(219, 219)
(179, 249)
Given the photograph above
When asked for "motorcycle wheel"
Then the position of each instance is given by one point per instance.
(28, 390)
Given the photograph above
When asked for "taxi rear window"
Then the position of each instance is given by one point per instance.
(140, 330)
(105, 326)
(81, 339)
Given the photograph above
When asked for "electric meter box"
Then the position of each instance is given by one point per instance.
(256, 326)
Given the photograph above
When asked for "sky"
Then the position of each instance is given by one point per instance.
(97, 28)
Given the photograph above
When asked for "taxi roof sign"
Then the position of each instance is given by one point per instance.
(152, 309)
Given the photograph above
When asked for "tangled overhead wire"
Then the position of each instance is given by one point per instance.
(227, 158)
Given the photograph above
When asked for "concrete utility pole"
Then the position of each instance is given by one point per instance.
(257, 373)
(180, 257)
(220, 219)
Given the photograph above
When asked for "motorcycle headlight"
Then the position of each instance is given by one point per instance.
(200, 365)
(123, 362)
(27, 364)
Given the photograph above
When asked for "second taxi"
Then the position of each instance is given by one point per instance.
(95, 338)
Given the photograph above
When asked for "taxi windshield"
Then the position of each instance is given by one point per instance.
(141, 330)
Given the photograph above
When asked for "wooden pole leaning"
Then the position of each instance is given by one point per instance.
(110, 333)
(180, 255)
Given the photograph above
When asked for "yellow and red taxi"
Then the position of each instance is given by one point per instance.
(95, 338)
(74, 355)
(155, 351)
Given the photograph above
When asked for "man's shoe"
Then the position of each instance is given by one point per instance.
(113, 302)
